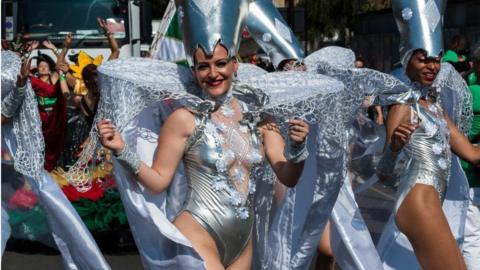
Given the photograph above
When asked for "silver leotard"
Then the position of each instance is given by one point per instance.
(219, 195)
(430, 153)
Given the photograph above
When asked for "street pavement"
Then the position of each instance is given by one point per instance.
(26, 255)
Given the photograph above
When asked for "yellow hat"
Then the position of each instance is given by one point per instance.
(83, 60)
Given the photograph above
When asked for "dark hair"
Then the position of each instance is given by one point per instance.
(89, 75)
(455, 41)
(89, 72)
(360, 59)
(47, 59)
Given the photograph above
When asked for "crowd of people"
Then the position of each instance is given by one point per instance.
(67, 96)
(214, 165)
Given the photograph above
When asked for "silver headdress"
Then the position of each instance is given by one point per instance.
(420, 23)
(271, 32)
(206, 23)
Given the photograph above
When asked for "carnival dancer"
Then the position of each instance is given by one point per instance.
(135, 78)
(221, 152)
(428, 137)
(221, 234)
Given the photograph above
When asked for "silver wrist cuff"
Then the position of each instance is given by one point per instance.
(297, 153)
(129, 158)
(13, 100)
(386, 166)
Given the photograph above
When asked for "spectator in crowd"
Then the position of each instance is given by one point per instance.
(51, 89)
(87, 100)
(456, 54)
(253, 59)
(360, 62)
(473, 80)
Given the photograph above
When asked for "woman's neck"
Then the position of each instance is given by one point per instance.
(220, 100)
(44, 77)
(427, 92)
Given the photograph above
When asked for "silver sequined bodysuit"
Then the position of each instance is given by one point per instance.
(222, 160)
(430, 152)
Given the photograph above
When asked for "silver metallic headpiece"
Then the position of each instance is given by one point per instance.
(206, 23)
(267, 26)
(420, 23)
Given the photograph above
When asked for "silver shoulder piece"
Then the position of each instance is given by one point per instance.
(206, 23)
(268, 28)
(420, 23)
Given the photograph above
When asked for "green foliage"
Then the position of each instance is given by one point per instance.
(326, 18)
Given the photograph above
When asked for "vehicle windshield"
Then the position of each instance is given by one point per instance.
(54, 18)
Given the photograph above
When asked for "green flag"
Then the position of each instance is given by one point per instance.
(170, 42)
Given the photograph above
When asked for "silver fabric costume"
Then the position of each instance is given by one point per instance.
(455, 99)
(215, 179)
(129, 87)
(421, 28)
(134, 99)
(429, 151)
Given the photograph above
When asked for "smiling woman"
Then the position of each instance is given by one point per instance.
(224, 148)
(423, 69)
(214, 73)
(427, 136)
(222, 152)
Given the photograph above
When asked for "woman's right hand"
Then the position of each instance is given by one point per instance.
(104, 25)
(401, 136)
(109, 136)
(49, 45)
(62, 66)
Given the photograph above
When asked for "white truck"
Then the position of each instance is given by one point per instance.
(129, 20)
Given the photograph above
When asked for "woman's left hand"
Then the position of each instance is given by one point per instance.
(298, 130)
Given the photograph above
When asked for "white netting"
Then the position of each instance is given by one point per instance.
(29, 156)
(130, 85)
(449, 78)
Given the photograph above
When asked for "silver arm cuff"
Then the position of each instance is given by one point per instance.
(386, 166)
(297, 153)
(129, 158)
(13, 100)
